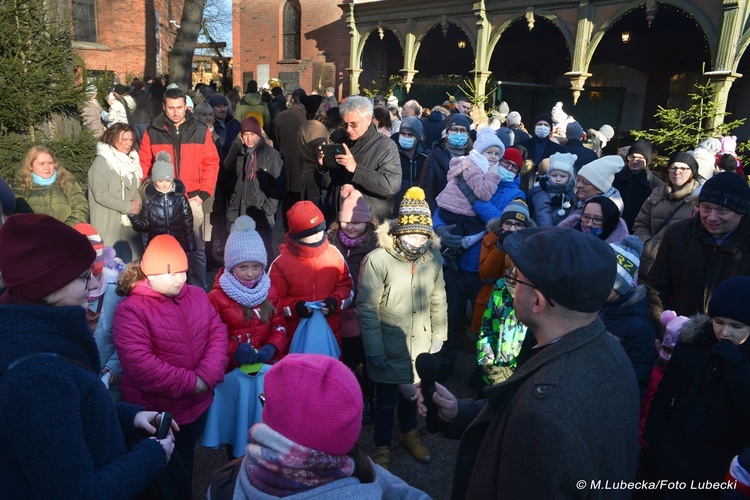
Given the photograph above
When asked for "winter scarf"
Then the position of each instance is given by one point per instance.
(350, 242)
(455, 152)
(248, 297)
(127, 166)
(305, 251)
(251, 162)
(278, 466)
(557, 193)
(41, 181)
(410, 252)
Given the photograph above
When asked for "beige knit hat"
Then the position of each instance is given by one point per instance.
(601, 172)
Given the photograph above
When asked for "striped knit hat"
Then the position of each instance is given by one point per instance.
(414, 214)
(96, 241)
(628, 254)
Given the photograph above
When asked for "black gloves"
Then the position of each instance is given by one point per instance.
(331, 304)
(728, 354)
(302, 310)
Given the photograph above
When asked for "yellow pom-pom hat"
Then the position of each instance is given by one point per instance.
(414, 215)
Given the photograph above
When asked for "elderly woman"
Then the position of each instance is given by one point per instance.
(114, 178)
(43, 186)
(596, 178)
(666, 205)
(50, 390)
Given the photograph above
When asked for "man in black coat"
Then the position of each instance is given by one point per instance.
(570, 413)
(574, 134)
(636, 182)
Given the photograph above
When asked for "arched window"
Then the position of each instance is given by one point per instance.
(291, 32)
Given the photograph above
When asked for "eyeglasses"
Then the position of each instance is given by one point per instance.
(580, 181)
(458, 130)
(86, 276)
(509, 224)
(597, 221)
(509, 165)
(353, 125)
(511, 280)
(682, 170)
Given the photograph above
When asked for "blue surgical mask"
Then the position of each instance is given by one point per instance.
(593, 231)
(541, 131)
(406, 142)
(506, 175)
(457, 140)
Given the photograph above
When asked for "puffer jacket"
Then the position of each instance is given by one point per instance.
(483, 185)
(252, 330)
(434, 174)
(401, 307)
(193, 152)
(493, 263)
(164, 344)
(67, 205)
(655, 211)
(309, 274)
(698, 419)
(166, 213)
(627, 318)
(547, 201)
(260, 196)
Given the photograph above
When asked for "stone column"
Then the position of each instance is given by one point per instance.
(724, 73)
(355, 58)
(578, 73)
(410, 56)
(721, 82)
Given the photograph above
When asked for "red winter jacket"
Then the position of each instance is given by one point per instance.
(164, 343)
(253, 330)
(309, 274)
(196, 161)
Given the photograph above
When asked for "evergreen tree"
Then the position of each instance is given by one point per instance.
(683, 129)
(36, 77)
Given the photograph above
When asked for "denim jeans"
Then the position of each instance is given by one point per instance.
(387, 397)
(460, 286)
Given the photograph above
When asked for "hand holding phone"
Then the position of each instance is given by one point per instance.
(164, 426)
(329, 154)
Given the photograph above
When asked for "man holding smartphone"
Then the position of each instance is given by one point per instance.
(369, 161)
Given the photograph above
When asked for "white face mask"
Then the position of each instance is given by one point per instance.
(541, 131)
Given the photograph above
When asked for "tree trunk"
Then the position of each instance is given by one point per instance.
(181, 55)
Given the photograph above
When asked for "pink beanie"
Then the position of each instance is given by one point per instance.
(315, 401)
(353, 206)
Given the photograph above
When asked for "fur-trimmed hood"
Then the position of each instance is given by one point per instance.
(694, 327)
(385, 238)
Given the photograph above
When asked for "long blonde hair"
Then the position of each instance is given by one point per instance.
(24, 180)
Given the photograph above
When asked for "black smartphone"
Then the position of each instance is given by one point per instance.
(164, 425)
(329, 154)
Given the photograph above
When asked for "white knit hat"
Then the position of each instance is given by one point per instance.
(486, 137)
(163, 170)
(628, 253)
(244, 244)
(564, 162)
(514, 118)
(601, 172)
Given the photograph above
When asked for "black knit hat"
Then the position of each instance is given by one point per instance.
(685, 158)
(729, 300)
(728, 190)
(644, 148)
(543, 117)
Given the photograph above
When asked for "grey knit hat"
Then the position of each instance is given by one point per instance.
(244, 245)
(163, 170)
(628, 254)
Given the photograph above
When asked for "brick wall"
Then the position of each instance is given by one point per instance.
(127, 34)
(257, 39)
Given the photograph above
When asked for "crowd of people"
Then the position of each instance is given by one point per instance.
(610, 319)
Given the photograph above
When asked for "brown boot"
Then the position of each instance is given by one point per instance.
(413, 443)
(382, 456)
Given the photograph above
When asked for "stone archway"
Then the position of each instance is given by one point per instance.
(382, 57)
(443, 50)
(656, 65)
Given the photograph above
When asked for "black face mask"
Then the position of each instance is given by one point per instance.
(316, 244)
(410, 250)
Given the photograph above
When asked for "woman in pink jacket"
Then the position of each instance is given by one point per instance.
(171, 342)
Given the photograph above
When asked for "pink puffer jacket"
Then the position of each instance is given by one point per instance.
(164, 343)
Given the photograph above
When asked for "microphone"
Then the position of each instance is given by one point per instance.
(427, 366)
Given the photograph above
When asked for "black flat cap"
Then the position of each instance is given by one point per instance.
(573, 269)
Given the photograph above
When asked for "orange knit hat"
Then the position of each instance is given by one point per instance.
(164, 255)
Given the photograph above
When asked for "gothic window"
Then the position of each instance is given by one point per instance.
(84, 21)
(291, 32)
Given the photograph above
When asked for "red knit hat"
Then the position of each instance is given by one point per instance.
(305, 219)
(515, 156)
(251, 124)
(96, 242)
(164, 255)
(315, 401)
(40, 255)
(353, 206)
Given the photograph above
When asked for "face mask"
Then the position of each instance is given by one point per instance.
(593, 231)
(457, 140)
(541, 131)
(406, 142)
(506, 175)
(411, 250)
